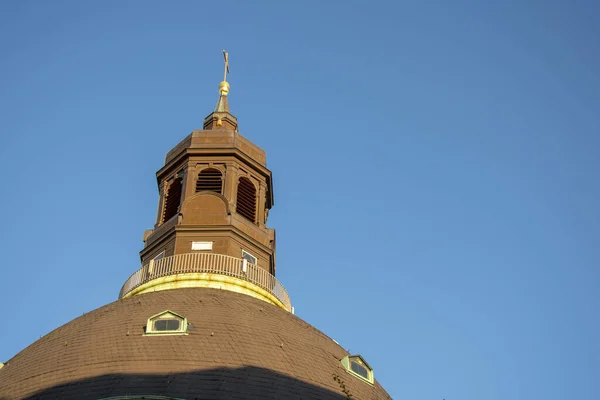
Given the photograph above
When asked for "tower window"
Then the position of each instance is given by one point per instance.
(246, 199)
(160, 256)
(357, 366)
(151, 264)
(166, 323)
(209, 179)
(172, 199)
(249, 257)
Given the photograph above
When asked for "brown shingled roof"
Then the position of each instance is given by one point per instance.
(237, 348)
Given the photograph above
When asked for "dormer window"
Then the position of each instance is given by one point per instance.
(166, 323)
(357, 366)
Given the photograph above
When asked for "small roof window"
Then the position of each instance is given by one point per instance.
(166, 323)
(357, 366)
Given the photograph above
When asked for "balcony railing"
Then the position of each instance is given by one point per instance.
(211, 263)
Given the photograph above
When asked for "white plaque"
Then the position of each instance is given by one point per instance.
(202, 245)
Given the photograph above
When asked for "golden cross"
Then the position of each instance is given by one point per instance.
(226, 56)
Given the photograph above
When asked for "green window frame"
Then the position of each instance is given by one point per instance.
(357, 366)
(166, 323)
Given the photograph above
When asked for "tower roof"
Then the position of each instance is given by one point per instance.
(222, 104)
(222, 118)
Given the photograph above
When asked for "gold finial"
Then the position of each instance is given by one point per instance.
(224, 86)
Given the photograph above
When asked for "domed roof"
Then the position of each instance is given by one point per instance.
(235, 347)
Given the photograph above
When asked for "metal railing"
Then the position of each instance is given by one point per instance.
(208, 263)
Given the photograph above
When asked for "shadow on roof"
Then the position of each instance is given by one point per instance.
(220, 383)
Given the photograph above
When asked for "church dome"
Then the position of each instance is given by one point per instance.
(232, 346)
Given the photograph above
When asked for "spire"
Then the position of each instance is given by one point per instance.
(223, 104)
(221, 118)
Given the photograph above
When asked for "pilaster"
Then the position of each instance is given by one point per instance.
(162, 189)
(189, 183)
(231, 177)
(260, 206)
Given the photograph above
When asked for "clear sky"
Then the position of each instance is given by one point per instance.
(435, 166)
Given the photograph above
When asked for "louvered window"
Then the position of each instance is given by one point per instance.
(172, 200)
(209, 179)
(246, 199)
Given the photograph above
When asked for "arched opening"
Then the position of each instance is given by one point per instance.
(172, 200)
(209, 179)
(246, 199)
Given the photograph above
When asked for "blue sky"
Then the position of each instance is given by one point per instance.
(435, 167)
